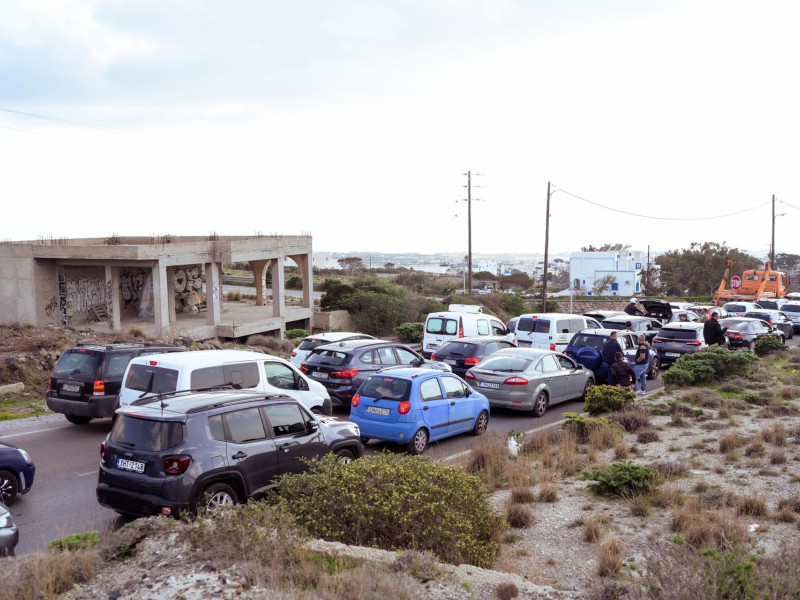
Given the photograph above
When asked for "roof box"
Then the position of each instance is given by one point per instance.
(465, 308)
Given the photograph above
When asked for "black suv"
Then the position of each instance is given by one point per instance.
(184, 451)
(86, 380)
(343, 366)
(464, 353)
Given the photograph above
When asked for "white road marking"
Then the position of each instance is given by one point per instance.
(13, 435)
(87, 473)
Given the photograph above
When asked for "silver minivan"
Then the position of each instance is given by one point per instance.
(550, 331)
(792, 310)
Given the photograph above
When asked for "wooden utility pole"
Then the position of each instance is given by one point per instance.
(546, 246)
(772, 245)
(469, 232)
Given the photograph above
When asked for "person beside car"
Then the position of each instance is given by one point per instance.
(704, 316)
(610, 349)
(633, 308)
(640, 364)
(623, 372)
(713, 332)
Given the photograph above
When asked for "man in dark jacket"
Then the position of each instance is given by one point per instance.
(713, 333)
(633, 308)
(610, 348)
(623, 371)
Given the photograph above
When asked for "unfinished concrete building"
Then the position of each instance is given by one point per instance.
(167, 286)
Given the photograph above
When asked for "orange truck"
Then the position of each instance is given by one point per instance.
(751, 286)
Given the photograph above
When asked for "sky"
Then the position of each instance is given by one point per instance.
(656, 123)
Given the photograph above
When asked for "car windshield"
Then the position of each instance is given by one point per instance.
(678, 334)
(457, 349)
(387, 388)
(735, 324)
(582, 340)
(328, 357)
(311, 343)
(144, 434)
(77, 362)
(506, 364)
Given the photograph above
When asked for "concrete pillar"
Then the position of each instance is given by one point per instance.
(278, 288)
(260, 275)
(161, 287)
(213, 293)
(112, 298)
(304, 266)
(171, 294)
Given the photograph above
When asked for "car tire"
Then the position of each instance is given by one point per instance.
(418, 443)
(345, 456)
(589, 384)
(365, 440)
(215, 497)
(655, 365)
(78, 420)
(9, 487)
(481, 423)
(540, 404)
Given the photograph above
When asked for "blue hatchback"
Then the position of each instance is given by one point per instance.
(417, 406)
(16, 472)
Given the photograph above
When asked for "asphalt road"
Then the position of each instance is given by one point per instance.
(63, 501)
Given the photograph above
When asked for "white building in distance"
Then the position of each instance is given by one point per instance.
(624, 264)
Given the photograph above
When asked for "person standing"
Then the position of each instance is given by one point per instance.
(704, 316)
(623, 372)
(610, 349)
(640, 363)
(713, 332)
(633, 308)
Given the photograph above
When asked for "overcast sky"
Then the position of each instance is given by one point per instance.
(354, 120)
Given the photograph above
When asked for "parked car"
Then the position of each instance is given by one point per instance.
(698, 310)
(690, 315)
(601, 315)
(342, 367)
(465, 353)
(772, 303)
(16, 472)
(676, 339)
(792, 310)
(415, 406)
(320, 339)
(459, 321)
(86, 380)
(550, 331)
(188, 451)
(586, 348)
(9, 534)
(220, 368)
(775, 318)
(743, 332)
(646, 325)
(530, 379)
(738, 309)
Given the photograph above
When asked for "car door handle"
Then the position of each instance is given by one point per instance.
(424, 408)
(239, 455)
(453, 403)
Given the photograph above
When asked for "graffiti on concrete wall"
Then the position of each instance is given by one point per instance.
(131, 283)
(82, 294)
(62, 298)
(188, 279)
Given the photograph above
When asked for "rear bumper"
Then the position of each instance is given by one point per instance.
(136, 503)
(95, 406)
(400, 433)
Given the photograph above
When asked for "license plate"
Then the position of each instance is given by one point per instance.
(449, 361)
(377, 411)
(491, 386)
(672, 354)
(130, 465)
(522, 344)
(433, 346)
(319, 375)
(67, 387)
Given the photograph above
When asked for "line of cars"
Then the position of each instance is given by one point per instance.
(16, 478)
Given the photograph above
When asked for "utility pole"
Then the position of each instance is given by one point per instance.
(772, 245)
(469, 229)
(546, 246)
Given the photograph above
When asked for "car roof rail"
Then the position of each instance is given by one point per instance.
(146, 399)
(233, 402)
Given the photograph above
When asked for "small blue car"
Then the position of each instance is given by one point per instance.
(16, 472)
(415, 406)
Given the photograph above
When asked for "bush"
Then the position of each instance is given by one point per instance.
(767, 344)
(410, 333)
(607, 398)
(632, 418)
(708, 365)
(625, 479)
(394, 503)
(583, 426)
(75, 541)
(292, 334)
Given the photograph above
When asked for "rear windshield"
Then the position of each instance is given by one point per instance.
(759, 315)
(613, 325)
(678, 334)
(144, 434)
(534, 325)
(332, 358)
(457, 349)
(582, 340)
(440, 325)
(739, 308)
(387, 388)
(505, 364)
(768, 304)
(791, 308)
(146, 378)
(77, 362)
(310, 343)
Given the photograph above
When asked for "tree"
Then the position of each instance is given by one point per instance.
(787, 262)
(651, 281)
(518, 279)
(351, 265)
(602, 284)
(698, 270)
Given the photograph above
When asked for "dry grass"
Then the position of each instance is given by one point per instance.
(489, 459)
(755, 449)
(548, 493)
(567, 457)
(730, 442)
(522, 496)
(609, 557)
(752, 506)
(702, 528)
(671, 469)
(621, 451)
(632, 418)
(777, 457)
(646, 436)
(41, 575)
(593, 529)
(602, 438)
(668, 496)
(785, 515)
(520, 474)
(518, 516)
(640, 506)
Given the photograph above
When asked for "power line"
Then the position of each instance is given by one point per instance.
(790, 205)
(66, 121)
(632, 214)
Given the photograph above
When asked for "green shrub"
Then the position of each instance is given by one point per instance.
(292, 334)
(607, 398)
(712, 363)
(410, 333)
(75, 541)
(295, 282)
(768, 344)
(391, 502)
(583, 425)
(625, 479)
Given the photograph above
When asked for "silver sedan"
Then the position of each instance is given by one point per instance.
(9, 535)
(529, 379)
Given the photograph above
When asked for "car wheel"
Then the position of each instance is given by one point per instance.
(589, 383)
(791, 334)
(76, 420)
(345, 456)
(654, 367)
(365, 440)
(481, 423)
(9, 487)
(216, 497)
(540, 404)
(418, 443)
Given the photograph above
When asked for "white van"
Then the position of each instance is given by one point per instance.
(210, 368)
(550, 331)
(460, 320)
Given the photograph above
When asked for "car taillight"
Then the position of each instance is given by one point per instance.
(103, 450)
(461, 332)
(404, 407)
(346, 374)
(304, 369)
(433, 356)
(49, 383)
(472, 361)
(294, 353)
(356, 399)
(692, 343)
(175, 465)
(99, 387)
(657, 339)
(735, 336)
(153, 363)
(553, 347)
(516, 381)
(470, 375)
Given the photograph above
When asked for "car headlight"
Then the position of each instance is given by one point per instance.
(5, 519)
(26, 457)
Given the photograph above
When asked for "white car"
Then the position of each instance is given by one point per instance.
(312, 341)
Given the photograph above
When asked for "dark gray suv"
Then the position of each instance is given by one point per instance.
(180, 452)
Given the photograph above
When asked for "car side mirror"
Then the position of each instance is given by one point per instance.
(300, 384)
(312, 426)
(416, 362)
(467, 392)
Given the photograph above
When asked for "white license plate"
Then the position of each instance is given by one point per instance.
(522, 344)
(672, 354)
(377, 411)
(491, 386)
(319, 375)
(70, 388)
(449, 361)
(130, 465)
(433, 346)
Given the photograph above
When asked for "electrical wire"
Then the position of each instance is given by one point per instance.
(632, 214)
(789, 205)
(66, 121)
